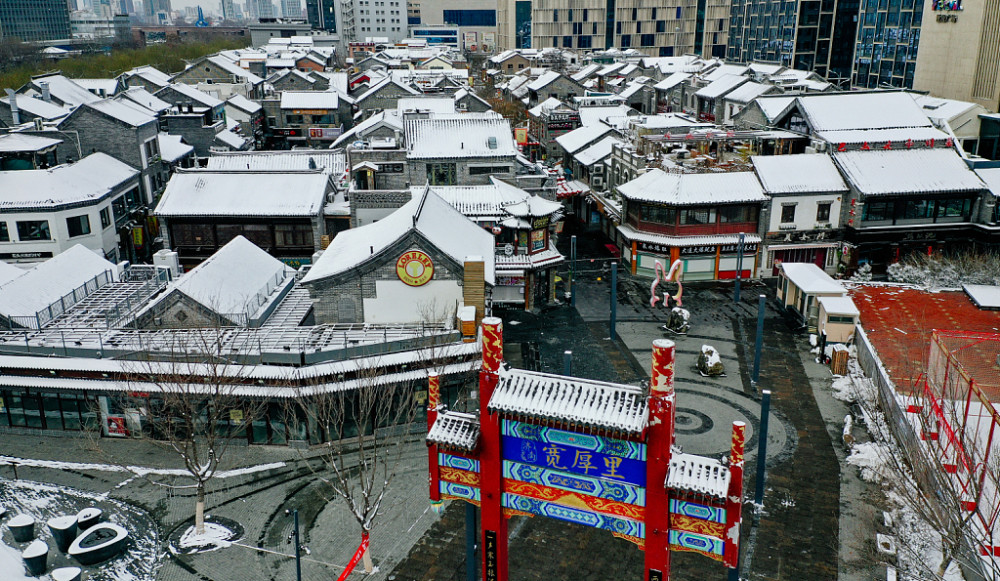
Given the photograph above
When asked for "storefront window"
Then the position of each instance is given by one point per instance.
(70, 412)
(53, 415)
(698, 216)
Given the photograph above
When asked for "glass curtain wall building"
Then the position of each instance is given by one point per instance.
(34, 20)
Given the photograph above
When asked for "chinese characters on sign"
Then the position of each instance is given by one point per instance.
(575, 460)
(703, 249)
(490, 550)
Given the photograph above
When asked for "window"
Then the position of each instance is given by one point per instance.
(479, 170)
(839, 319)
(787, 213)
(658, 215)
(878, 211)
(78, 225)
(678, 13)
(661, 26)
(293, 235)
(653, 16)
(105, 218)
(734, 214)
(567, 42)
(626, 40)
(118, 207)
(569, 15)
(33, 230)
(647, 40)
(584, 14)
(692, 216)
(823, 211)
(441, 174)
(635, 15)
(555, 16)
(294, 119)
(638, 28)
(584, 42)
(152, 148)
(953, 208)
(4, 234)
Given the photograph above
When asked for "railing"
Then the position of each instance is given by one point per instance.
(59, 306)
(123, 311)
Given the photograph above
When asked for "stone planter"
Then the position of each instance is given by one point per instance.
(67, 574)
(98, 543)
(63, 531)
(36, 557)
(22, 527)
(88, 517)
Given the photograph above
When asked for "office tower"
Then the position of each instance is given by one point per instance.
(658, 27)
(291, 8)
(227, 10)
(34, 20)
(322, 14)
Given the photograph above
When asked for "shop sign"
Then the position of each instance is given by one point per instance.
(310, 111)
(24, 255)
(491, 552)
(690, 250)
(414, 268)
(236, 417)
(521, 135)
(734, 248)
(537, 240)
(287, 132)
(651, 247)
(542, 222)
(116, 426)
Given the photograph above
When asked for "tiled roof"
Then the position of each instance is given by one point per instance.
(906, 171)
(455, 430)
(698, 474)
(659, 186)
(582, 403)
(459, 136)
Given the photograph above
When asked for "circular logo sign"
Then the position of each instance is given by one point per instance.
(415, 268)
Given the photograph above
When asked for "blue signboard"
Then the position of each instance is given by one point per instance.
(575, 460)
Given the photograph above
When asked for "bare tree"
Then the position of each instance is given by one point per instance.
(198, 403)
(913, 475)
(363, 428)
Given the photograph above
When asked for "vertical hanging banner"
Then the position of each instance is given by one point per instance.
(357, 557)
(490, 550)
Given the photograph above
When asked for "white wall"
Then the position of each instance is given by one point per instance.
(369, 215)
(398, 303)
(103, 241)
(805, 212)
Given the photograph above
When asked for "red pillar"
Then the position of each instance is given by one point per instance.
(659, 438)
(494, 525)
(734, 499)
(433, 404)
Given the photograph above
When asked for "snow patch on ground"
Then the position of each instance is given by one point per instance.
(136, 470)
(11, 564)
(216, 536)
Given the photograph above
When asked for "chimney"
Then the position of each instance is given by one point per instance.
(14, 111)
(474, 285)
(46, 94)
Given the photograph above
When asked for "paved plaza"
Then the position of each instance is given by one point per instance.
(797, 536)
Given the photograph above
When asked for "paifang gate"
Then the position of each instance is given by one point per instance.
(592, 453)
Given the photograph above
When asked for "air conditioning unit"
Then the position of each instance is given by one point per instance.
(786, 227)
(597, 181)
(819, 146)
(598, 169)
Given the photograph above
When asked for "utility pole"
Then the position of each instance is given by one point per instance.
(614, 297)
(759, 342)
(298, 550)
(739, 268)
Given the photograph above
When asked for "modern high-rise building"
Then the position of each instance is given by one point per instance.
(322, 14)
(812, 35)
(262, 8)
(291, 8)
(34, 20)
(660, 27)
(960, 52)
(227, 10)
(476, 19)
(156, 11)
(887, 38)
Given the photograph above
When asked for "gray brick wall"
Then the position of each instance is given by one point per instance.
(340, 299)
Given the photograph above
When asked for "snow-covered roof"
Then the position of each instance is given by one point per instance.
(811, 279)
(85, 181)
(310, 100)
(766, 68)
(721, 86)
(686, 241)
(984, 296)
(672, 64)
(898, 135)
(631, 89)
(435, 105)
(360, 131)
(431, 216)
(330, 161)
(748, 92)
(670, 121)
(774, 105)
(230, 139)
(20, 142)
(243, 104)
(459, 136)
(38, 107)
(234, 69)
(48, 282)
(455, 430)
(615, 115)
(908, 171)
(610, 69)
(64, 89)
(991, 177)
(109, 86)
(942, 109)
(151, 74)
(596, 152)
(798, 174)
(659, 186)
(546, 105)
(122, 112)
(698, 474)
(9, 272)
(584, 73)
(840, 305)
(194, 94)
(481, 201)
(243, 193)
(141, 96)
(172, 148)
(234, 280)
(544, 80)
(724, 70)
(532, 207)
(861, 110)
(583, 136)
(584, 403)
(383, 83)
(672, 81)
